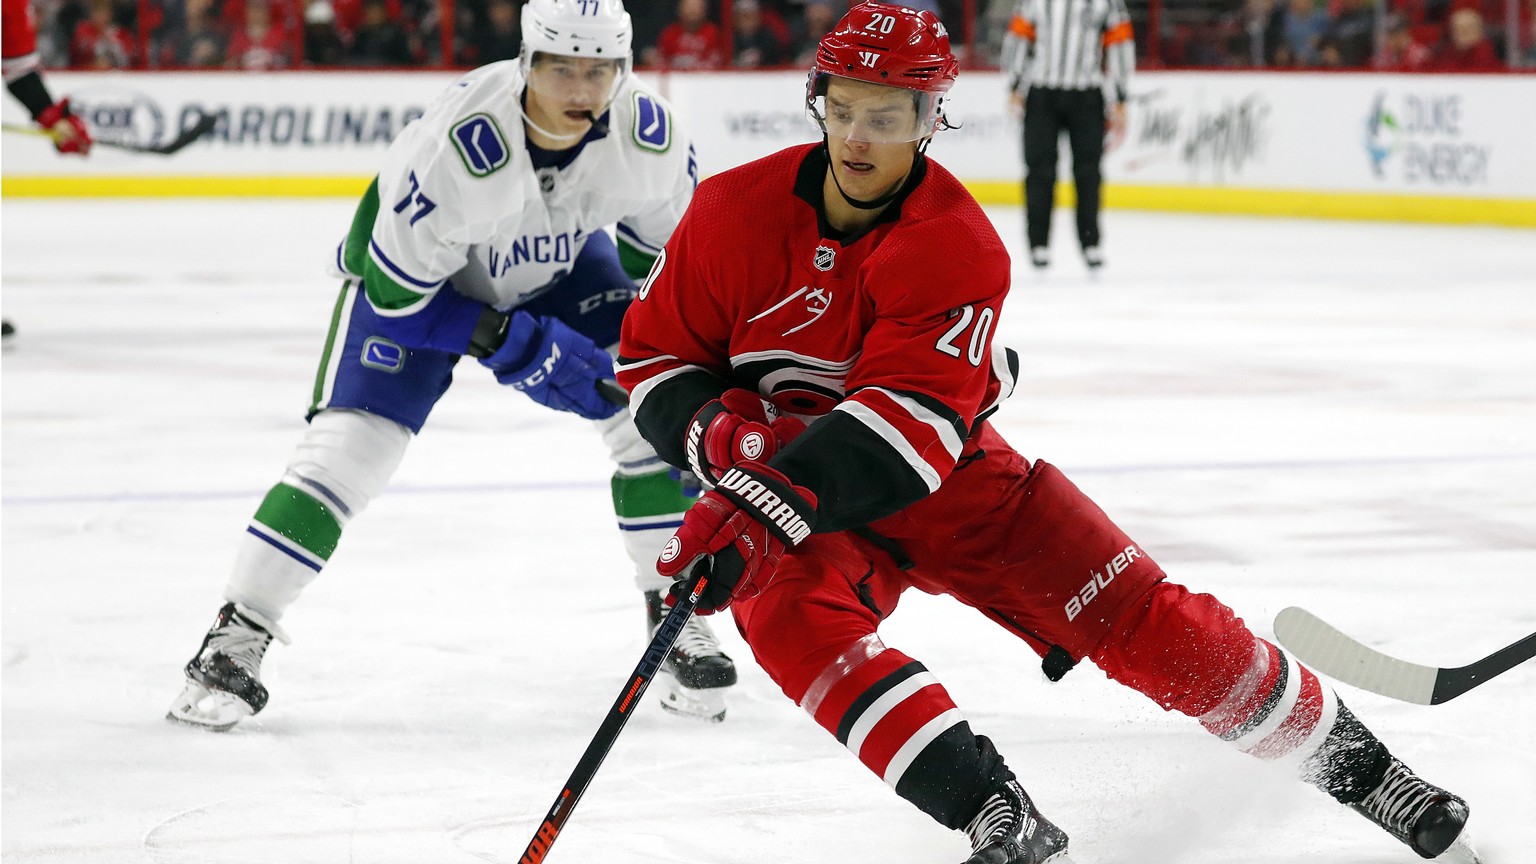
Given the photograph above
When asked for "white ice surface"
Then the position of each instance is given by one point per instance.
(1330, 415)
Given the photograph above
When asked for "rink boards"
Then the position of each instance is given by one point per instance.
(1435, 148)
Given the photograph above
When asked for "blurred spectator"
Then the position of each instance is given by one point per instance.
(322, 41)
(379, 41)
(349, 14)
(1399, 51)
(201, 43)
(260, 45)
(993, 24)
(500, 37)
(815, 22)
(1530, 35)
(1302, 26)
(56, 22)
(692, 41)
(1258, 37)
(1468, 49)
(649, 19)
(1351, 39)
(423, 25)
(98, 42)
(755, 44)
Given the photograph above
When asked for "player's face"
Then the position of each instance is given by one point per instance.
(563, 91)
(872, 136)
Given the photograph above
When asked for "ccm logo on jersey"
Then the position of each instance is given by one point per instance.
(753, 493)
(1099, 581)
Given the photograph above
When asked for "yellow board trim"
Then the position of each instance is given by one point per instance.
(1515, 212)
(183, 187)
(1254, 202)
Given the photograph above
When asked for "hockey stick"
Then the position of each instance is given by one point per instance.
(609, 389)
(202, 127)
(1326, 649)
(613, 724)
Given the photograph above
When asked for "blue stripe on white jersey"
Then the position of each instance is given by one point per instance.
(383, 261)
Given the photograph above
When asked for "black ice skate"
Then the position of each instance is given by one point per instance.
(224, 679)
(696, 672)
(1009, 830)
(1426, 817)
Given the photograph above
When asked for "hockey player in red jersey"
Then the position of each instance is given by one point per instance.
(853, 285)
(18, 32)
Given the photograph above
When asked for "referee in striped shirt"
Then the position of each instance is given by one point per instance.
(1066, 60)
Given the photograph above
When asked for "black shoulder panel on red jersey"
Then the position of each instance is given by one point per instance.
(857, 477)
(666, 411)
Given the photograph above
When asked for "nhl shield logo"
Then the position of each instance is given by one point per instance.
(824, 258)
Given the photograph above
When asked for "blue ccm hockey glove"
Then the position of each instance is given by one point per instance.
(554, 365)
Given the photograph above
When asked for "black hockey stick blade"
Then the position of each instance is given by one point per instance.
(202, 127)
(1328, 650)
(613, 724)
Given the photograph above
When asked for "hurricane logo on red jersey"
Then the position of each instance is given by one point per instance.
(824, 258)
(817, 302)
(797, 385)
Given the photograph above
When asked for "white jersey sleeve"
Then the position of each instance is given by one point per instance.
(668, 165)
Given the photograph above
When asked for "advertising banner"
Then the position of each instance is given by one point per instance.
(1207, 135)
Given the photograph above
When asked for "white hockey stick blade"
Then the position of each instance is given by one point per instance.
(1327, 650)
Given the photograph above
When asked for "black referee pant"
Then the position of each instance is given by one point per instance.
(1046, 113)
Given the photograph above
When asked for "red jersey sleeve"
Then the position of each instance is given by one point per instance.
(674, 349)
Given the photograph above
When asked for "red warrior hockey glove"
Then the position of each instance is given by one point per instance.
(735, 428)
(742, 526)
(68, 131)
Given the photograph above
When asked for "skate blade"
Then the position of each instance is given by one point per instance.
(1460, 852)
(212, 710)
(706, 705)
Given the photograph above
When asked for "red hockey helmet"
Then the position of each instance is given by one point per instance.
(893, 46)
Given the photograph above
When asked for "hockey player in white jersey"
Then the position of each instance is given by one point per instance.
(483, 235)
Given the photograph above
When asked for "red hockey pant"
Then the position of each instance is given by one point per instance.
(1046, 563)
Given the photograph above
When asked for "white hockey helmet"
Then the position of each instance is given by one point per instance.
(578, 28)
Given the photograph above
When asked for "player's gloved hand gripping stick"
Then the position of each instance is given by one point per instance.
(553, 364)
(741, 527)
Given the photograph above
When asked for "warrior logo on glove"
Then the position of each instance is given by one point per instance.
(775, 511)
(736, 534)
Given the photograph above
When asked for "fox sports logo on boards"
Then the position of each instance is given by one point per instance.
(121, 116)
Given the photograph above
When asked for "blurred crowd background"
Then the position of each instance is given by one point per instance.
(1395, 35)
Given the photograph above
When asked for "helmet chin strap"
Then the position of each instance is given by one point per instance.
(883, 199)
(591, 118)
(542, 131)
